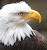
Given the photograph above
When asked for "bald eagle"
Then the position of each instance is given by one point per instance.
(14, 30)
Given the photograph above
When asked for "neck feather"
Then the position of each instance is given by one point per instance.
(9, 35)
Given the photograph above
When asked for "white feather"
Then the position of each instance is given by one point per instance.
(11, 26)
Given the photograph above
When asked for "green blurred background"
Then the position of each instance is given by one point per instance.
(40, 6)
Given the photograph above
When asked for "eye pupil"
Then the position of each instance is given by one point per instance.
(21, 13)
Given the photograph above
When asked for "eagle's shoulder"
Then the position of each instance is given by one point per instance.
(37, 42)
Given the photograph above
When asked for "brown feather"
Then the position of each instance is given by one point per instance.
(37, 42)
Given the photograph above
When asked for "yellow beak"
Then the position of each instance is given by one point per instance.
(33, 15)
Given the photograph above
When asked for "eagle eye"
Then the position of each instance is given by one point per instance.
(21, 13)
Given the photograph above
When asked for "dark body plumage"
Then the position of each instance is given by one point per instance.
(37, 42)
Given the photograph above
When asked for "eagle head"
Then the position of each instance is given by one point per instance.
(13, 22)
